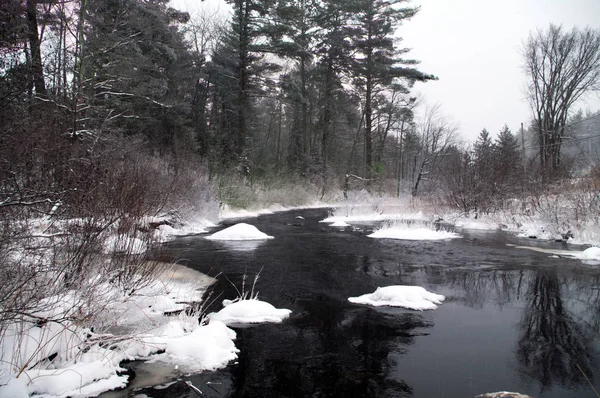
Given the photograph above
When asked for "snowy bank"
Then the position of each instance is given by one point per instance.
(249, 311)
(241, 231)
(410, 297)
(230, 213)
(375, 217)
(65, 359)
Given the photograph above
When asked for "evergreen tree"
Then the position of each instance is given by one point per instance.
(508, 164)
(484, 170)
(137, 71)
(292, 33)
(377, 62)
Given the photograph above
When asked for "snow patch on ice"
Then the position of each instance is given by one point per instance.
(591, 253)
(339, 224)
(410, 297)
(241, 231)
(406, 232)
(249, 311)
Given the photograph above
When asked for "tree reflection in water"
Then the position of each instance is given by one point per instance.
(558, 325)
(553, 344)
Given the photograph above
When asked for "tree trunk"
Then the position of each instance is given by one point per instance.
(37, 71)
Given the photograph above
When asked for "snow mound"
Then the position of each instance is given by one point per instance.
(207, 347)
(406, 233)
(241, 231)
(83, 379)
(411, 297)
(591, 253)
(503, 394)
(249, 311)
(339, 224)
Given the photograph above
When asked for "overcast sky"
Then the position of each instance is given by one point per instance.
(474, 48)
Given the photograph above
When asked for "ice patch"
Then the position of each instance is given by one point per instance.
(249, 311)
(241, 231)
(411, 297)
(408, 233)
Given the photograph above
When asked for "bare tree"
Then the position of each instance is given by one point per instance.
(436, 133)
(561, 67)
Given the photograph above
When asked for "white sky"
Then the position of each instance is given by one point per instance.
(473, 47)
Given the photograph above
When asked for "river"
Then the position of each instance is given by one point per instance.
(513, 319)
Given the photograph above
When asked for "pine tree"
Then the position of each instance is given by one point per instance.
(378, 63)
(138, 73)
(507, 163)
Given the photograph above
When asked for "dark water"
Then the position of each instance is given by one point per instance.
(513, 320)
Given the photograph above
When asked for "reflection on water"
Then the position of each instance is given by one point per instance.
(240, 245)
(513, 319)
(558, 325)
(553, 346)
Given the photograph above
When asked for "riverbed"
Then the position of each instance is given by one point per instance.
(513, 320)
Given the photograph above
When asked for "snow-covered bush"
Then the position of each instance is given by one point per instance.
(76, 234)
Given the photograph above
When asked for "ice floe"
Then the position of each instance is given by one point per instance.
(412, 233)
(339, 224)
(410, 297)
(249, 311)
(241, 231)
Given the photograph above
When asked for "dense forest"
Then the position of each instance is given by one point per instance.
(286, 90)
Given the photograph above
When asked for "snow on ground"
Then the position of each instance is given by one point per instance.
(241, 231)
(537, 231)
(229, 213)
(410, 232)
(469, 223)
(410, 297)
(249, 311)
(374, 217)
(124, 244)
(135, 327)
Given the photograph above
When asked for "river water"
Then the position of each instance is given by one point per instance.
(513, 319)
